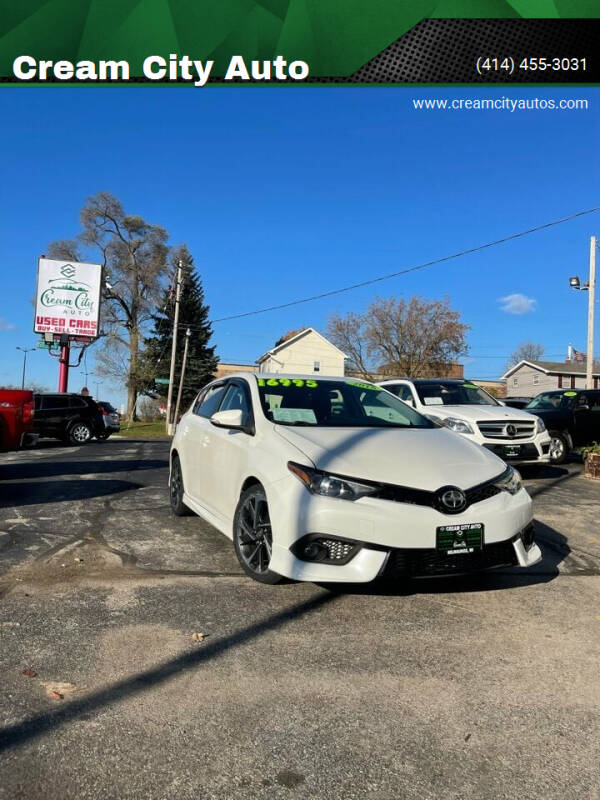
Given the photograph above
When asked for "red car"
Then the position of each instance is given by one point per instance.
(16, 417)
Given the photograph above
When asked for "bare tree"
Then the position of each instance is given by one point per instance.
(526, 351)
(416, 338)
(133, 253)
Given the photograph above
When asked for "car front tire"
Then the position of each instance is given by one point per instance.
(252, 536)
(559, 447)
(80, 433)
(178, 507)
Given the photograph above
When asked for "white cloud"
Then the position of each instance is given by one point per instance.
(6, 326)
(517, 304)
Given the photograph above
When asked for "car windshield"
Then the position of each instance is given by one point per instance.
(328, 403)
(450, 393)
(550, 400)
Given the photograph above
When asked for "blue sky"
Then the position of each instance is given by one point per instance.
(281, 193)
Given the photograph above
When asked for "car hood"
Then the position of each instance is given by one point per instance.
(420, 458)
(479, 413)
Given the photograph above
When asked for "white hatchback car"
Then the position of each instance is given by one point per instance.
(332, 479)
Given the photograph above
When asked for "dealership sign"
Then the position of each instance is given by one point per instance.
(68, 298)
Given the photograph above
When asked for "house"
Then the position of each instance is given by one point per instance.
(223, 369)
(528, 378)
(304, 353)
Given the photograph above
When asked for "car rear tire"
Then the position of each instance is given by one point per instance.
(559, 447)
(80, 433)
(252, 536)
(178, 507)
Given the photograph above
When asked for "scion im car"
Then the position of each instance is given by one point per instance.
(332, 479)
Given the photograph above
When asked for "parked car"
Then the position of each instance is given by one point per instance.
(463, 407)
(332, 479)
(74, 418)
(516, 402)
(111, 419)
(16, 418)
(516, 436)
(572, 417)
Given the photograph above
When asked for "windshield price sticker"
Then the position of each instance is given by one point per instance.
(470, 386)
(360, 385)
(570, 394)
(299, 382)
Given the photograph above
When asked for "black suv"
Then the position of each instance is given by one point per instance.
(572, 417)
(73, 418)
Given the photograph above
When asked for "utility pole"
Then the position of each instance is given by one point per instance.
(170, 425)
(188, 333)
(589, 381)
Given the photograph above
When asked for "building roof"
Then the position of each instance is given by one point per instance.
(555, 367)
(295, 338)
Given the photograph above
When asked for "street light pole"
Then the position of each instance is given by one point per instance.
(589, 381)
(25, 350)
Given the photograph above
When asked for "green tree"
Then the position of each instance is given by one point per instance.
(193, 314)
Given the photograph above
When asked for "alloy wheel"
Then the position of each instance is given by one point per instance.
(255, 540)
(80, 433)
(557, 448)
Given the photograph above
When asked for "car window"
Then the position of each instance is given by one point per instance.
(402, 391)
(299, 401)
(54, 402)
(77, 402)
(594, 401)
(235, 399)
(209, 403)
(552, 400)
(453, 393)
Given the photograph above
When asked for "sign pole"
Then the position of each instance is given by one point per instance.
(63, 373)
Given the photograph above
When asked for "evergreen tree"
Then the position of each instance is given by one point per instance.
(193, 314)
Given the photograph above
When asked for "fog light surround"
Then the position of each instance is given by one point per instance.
(319, 548)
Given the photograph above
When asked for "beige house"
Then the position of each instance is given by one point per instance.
(528, 378)
(305, 353)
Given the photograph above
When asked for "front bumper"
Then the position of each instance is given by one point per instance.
(533, 451)
(384, 528)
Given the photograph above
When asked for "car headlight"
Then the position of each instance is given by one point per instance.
(323, 483)
(540, 425)
(458, 425)
(509, 481)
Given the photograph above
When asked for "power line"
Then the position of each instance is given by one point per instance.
(413, 268)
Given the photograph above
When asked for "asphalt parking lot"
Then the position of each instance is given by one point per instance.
(479, 687)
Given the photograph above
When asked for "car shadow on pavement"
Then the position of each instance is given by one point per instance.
(554, 546)
(26, 493)
(133, 685)
(49, 469)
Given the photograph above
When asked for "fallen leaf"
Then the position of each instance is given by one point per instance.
(56, 690)
(199, 637)
(29, 673)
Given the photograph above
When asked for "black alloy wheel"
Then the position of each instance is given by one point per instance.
(178, 507)
(252, 535)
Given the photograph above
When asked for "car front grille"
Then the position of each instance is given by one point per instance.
(510, 430)
(427, 563)
(420, 497)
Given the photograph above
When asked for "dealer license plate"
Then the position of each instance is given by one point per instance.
(512, 450)
(460, 539)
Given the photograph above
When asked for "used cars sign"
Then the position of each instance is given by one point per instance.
(68, 298)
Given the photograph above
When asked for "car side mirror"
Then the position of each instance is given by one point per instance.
(233, 419)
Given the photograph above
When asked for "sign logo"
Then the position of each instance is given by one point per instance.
(511, 431)
(452, 500)
(68, 298)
